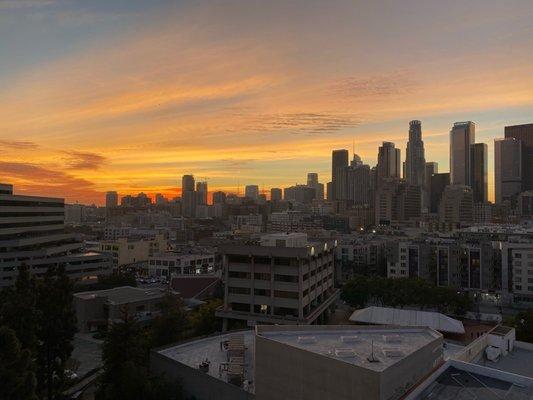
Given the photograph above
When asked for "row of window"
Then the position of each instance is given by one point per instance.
(263, 292)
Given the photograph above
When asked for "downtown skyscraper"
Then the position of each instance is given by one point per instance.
(462, 137)
(524, 133)
(415, 162)
(339, 160)
(389, 159)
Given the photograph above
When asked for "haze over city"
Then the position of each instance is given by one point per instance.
(132, 95)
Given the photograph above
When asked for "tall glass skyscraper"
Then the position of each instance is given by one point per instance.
(462, 137)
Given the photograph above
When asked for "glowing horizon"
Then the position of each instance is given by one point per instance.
(131, 95)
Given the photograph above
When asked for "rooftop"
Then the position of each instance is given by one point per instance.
(519, 361)
(413, 318)
(354, 344)
(122, 295)
(195, 352)
(461, 381)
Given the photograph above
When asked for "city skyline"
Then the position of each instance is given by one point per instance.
(132, 96)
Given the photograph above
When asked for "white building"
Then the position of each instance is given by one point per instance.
(172, 263)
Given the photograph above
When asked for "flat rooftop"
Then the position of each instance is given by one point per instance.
(122, 295)
(356, 345)
(519, 361)
(460, 384)
(196, 351)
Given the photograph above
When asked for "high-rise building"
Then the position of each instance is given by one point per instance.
(111, 199)
(312, 182)
(430, 169)
(356, 185)
(40, 240)
(457, 205)
(188, 196)
(415, 162)
(389, 159)
(436, 189)
(479, 179)
(276, 194)
(299, 193)
(524, 133)
(339, 160)
(219, 197)
(201, 193)
(251, 192)
(507, 168)
(187, 183)
(397, 202)
(462, 137)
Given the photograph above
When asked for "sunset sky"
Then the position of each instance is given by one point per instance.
(130, 95)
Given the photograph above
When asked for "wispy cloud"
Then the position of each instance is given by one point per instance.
(19, 144)
(84, 160)
(393, 84)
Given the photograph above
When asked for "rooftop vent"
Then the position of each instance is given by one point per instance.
(349, 339)
(306, 339)
(392, 338)
(345, 353)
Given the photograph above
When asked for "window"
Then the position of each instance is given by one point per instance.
(239, 275)
(286, 278)
(518, 287)
(286, 295)
(262, 276)
(238, 290)
(262, 292)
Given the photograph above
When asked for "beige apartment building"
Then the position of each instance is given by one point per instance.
(126, 251)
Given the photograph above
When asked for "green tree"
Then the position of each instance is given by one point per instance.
(203, 320)
(17, 379)
(126, 375)
(524, 326)
(19, 310)
(56, 329)
(169, 326)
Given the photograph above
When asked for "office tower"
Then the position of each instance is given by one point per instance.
(430, 169)
(251, 191)
(356, 183)
(329, 191)
(111, 199)
(388, 163)
(462, 137)
(457, 205)
(187, 183)
(438, 183)
(479, 179)
(507, 169)
(312, 182)
(41, 241)
(299, 193)
(275, 194)
(524, 133)
(339, 160)
(201, 193)
(415, 162)
(188, 196)
(219, 197)
(397, 202)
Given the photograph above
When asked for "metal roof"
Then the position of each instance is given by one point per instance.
(400, 317)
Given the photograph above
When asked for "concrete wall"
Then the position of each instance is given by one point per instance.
(194, 382)
(404, 374)
(288, 373)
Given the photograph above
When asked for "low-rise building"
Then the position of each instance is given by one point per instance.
(100, 308)
(129, 251)
(174, 263)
